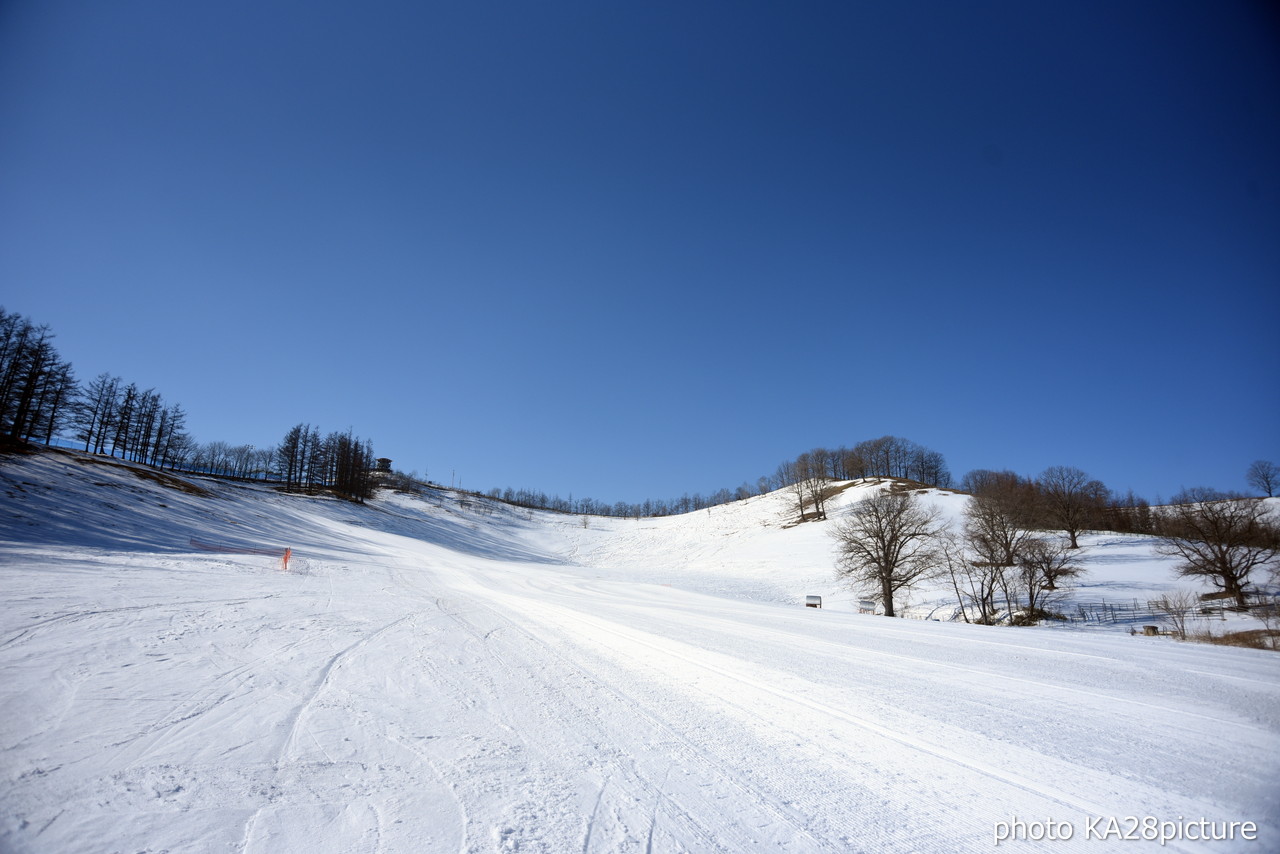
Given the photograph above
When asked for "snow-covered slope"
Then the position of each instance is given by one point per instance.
(442, 673)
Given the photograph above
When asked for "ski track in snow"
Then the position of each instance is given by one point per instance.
(454, 676)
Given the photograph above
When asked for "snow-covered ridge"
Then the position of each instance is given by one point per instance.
(439, 672)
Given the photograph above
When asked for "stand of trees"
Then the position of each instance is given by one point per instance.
(999, 563)
(239, 461)
(1062, 498)
(1128, 514)
(1003, 562)
(340, 461)
(135, 424)
(1006, 560)
(622, 509)
(37, 388)
(1018, 544)
(40, 400)
(807, 477)
(888, 456)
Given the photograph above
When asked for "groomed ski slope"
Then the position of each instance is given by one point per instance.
(444, 674)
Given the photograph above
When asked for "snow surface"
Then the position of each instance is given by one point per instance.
(444, 673)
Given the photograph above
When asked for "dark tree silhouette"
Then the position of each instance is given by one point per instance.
(887, 543)
(1221, 537)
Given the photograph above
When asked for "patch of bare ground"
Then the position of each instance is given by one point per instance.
(153, 475)
(1252, 638)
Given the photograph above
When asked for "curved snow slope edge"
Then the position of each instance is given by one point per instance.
(455, 675)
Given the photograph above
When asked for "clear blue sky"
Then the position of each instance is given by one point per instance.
(637, 250)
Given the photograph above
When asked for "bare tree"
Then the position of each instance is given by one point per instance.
(790, 481)
(95, 411)
(954, 560)
(1178, 607)
(996, 528)
(1071, 501)
(887, 543)
(1044, 566)
(1269, 614)
(814, 473)
(1264, 476)
(982, 582)
(1053, 561)
(805, 479)
(996, 532)
(183, 451)
(1220, 537)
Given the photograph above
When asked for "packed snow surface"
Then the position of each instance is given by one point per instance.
(440, 673)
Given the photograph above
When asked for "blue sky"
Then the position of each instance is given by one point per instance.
(637, 250)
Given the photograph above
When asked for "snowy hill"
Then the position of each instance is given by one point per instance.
(439, 672)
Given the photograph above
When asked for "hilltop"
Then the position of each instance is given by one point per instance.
(438, 671)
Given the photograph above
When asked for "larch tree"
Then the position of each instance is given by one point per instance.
(35, 384)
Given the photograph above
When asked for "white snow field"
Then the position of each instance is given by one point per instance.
(446, 674)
